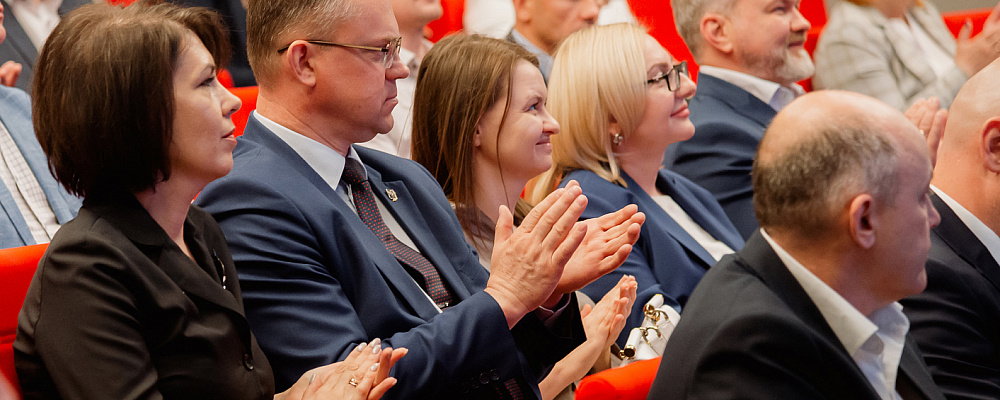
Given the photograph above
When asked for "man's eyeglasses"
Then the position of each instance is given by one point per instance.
(673, 77)
(389, 52)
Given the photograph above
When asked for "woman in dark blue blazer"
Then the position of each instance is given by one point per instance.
(620, 99)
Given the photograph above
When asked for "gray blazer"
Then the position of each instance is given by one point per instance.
(857, 53)
(18, 47)
(15, 114)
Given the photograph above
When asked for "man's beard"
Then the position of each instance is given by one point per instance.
(781, 65)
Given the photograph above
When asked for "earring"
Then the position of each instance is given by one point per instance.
(617, 139)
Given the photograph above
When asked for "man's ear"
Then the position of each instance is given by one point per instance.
(862, 220)
(299, 58)
(523, 10)
(716, 32)
(990, 144)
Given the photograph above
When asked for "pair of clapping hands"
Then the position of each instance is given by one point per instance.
(552, 253)
(363, 375)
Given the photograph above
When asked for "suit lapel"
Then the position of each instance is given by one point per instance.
(914, 381)
(357, 234)
(408, 215)
(956, 235)
(907, 51)
(669, 225)
(699, 213)
(741, 101)
(128, 216)
(760, 258)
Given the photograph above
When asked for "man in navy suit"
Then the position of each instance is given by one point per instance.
(956, 321)
(19, 46)
(808, 309)
(751, 54)
(32, 203)
(337, 245)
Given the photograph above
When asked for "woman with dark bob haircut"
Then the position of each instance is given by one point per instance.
(138, 296)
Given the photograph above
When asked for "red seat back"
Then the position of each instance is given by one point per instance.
(658, 17)
(631, 382)
(17, 267)
(450, 21)
(248, 95)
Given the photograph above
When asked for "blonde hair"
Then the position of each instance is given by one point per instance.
(599, 76)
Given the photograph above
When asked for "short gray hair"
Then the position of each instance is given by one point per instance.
(803, 187)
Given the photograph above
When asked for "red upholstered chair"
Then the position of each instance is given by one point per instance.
(121, 2)
(954, 20)
(450, 21)
(17, 266)
(630, 382)
(248, 95)
(659, 18)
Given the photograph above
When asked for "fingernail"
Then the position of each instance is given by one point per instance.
(374, 367)
(360, 347)
(376, 345)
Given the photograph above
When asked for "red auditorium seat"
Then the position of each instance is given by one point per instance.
(17, 266)
(248, 95)
(450, 21)
(954, 20)
(630, 382)
(658, 17)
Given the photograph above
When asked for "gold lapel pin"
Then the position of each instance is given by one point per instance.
(392, 194)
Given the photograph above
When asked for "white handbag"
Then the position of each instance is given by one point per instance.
(648, 340)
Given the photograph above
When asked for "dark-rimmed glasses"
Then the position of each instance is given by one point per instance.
(389, 52)
(673, 77)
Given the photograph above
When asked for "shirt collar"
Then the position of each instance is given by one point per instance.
(327, 162)
(850, 326)
(987, 236)
(772, 93)
(409, 58)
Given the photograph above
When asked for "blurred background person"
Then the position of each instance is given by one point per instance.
(33, 204)
(900, 51)
(481, 128)
(138, 296)
(412, 16)
(620, 99)
(234, 14)
(28, 23)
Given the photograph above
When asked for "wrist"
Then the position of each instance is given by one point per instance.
(512, 311)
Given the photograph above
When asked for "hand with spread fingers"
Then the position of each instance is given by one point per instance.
(602, 322)
(529, 261)
(607, 244)
(364, 375)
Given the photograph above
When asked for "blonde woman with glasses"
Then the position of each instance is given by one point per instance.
(620, 99)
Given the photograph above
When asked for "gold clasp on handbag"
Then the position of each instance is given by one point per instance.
(652, 313)
(645, 333)
(627, 352)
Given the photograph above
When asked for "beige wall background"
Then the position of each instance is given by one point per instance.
(953, 5)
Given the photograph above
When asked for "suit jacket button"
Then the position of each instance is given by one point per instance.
(495, 376)
(248, 361)
(484, 378)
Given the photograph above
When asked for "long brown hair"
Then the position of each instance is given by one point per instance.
(459, 79)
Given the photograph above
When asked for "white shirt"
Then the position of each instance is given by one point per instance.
(23, 186)
(37, 17)
(714, 247)
(875, 342)
(772, 93)
(399, 140)
(495, 18)
(987, 236)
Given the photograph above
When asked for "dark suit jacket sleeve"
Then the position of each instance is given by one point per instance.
(951, 324)
(93, 343)
(303, 303)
